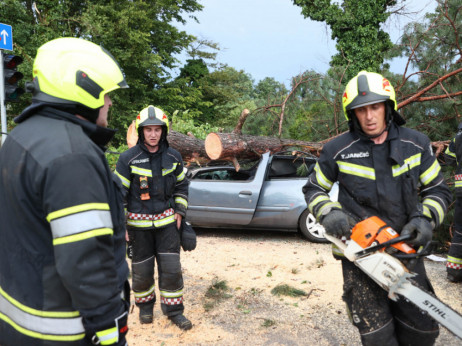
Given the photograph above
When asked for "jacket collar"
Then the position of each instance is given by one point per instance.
(99, 135)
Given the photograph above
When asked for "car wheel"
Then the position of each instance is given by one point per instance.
(311, 229)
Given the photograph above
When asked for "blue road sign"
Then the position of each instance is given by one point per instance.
(6, 37)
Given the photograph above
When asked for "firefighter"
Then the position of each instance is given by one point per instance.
(157, 198)
(379, 166)
(454, 260)
(63, 273)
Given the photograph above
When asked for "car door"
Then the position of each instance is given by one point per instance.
(214, 202)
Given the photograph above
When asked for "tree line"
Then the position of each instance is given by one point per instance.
(207, 96)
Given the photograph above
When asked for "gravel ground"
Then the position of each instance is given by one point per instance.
(251, 264)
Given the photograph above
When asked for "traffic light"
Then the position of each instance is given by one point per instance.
(12, 76)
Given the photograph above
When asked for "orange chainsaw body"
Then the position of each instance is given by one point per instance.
(374, 231)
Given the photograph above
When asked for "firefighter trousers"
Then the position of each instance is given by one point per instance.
(381, 321)
(161, 245)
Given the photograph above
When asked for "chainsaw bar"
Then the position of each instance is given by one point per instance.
(391, 274)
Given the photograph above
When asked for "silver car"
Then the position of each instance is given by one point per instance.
(265, 196)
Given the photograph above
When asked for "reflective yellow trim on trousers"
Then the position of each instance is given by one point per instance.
(141, 171)
(82, 236)
(431, 173)
(144, 293)
(458, 183)
(454, 260)
(175, 294)
(439, 209)
(125, 181)
(77, 209)
(321, 178)
(358, 170)
(409, 163)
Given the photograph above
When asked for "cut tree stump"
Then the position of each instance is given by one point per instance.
(231, 146)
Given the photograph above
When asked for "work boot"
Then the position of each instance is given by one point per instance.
(146, 314)
(181, 322)
(454, 278)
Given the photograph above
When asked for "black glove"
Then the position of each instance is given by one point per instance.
(188, 236)
(336, 223)
(421, 229)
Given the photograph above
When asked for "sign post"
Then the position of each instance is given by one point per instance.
(6, 42)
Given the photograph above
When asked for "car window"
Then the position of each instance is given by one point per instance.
(291, 167)
(223, 174)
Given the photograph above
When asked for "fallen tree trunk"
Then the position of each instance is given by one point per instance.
(235, 146)
(231, 146)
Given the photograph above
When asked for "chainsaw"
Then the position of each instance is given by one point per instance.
(377, 250)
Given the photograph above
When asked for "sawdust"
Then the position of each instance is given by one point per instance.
(253, 263)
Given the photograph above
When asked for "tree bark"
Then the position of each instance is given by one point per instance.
(231, 146)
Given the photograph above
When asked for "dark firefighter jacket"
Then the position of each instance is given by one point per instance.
(62, 248)
(167, 185)
(382, 180)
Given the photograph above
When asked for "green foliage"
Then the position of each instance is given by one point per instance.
(355, 25)
(286, 290)
(139, 34)
(185, 125)
(216, 293)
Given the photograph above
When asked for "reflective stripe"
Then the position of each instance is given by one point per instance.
(144, 293)
(458, 183)
(180, 177)
(164, 222)
(454, 260)
(321, 178)
(166, 171)
(409, 163)
(328, 205)
(77, 209)
(353, 169)
(141, 171)
(430, 173)
(80, 222)
(139, 223)
(149, 223)
(175, 294)
(125, 181)
(427, 212)
(109, 336)
(317, 200)
(45, 325)
(181, 200)
(83, 236)
(449, 152)
(438, 208)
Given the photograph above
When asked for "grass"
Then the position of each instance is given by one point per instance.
(216, 293)
(268, 323)
(286, 290)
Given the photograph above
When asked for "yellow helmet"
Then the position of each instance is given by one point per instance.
(151, 116)
(75, 71)
(367, 88)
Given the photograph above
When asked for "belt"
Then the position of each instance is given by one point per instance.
(136, 216)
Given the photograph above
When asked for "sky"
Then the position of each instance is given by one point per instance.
(271, 38)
